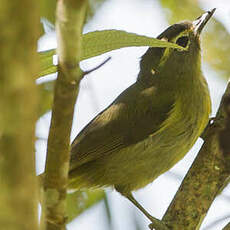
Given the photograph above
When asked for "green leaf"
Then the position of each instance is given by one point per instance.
(99, 42)
(79, 201)
(46, 62)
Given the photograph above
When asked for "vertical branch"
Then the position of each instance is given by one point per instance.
(207, 175)
(70, 15)
(19, 66)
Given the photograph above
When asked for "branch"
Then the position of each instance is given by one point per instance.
(227, 227)
(69, 20)
(207, 175)
(97, 67)
(19, 65)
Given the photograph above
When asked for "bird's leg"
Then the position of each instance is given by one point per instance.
(156, 224)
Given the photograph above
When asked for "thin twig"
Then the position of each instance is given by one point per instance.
(97, 67)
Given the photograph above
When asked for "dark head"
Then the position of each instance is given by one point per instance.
(186, 34)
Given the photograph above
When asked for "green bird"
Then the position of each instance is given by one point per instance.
(152, 124)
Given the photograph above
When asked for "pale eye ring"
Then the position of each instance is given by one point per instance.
(182, 41)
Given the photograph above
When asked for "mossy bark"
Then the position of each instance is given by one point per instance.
(207, 175)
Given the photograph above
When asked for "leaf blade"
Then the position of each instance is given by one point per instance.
(99, 42)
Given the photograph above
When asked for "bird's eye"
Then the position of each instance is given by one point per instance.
(182, 41)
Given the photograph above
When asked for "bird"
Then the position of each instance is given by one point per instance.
(152, 124)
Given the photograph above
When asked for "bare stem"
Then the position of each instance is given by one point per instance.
(69, 20)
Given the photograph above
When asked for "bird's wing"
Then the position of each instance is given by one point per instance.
(137, 113)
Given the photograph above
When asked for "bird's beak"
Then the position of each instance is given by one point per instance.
(201, 21)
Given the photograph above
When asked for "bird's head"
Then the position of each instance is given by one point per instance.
(174, 61)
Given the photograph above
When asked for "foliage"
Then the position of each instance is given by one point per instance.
(99, 42)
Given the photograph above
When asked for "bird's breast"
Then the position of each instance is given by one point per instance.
(163, 149)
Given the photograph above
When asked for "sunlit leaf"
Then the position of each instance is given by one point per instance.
(100, 42)
(46, 62)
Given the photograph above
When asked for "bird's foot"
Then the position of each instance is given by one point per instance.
(158, 225)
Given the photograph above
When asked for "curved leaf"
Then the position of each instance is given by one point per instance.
(99, 42)
(46, 62)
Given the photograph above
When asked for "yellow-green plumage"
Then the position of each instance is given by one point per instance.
(151, 125)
